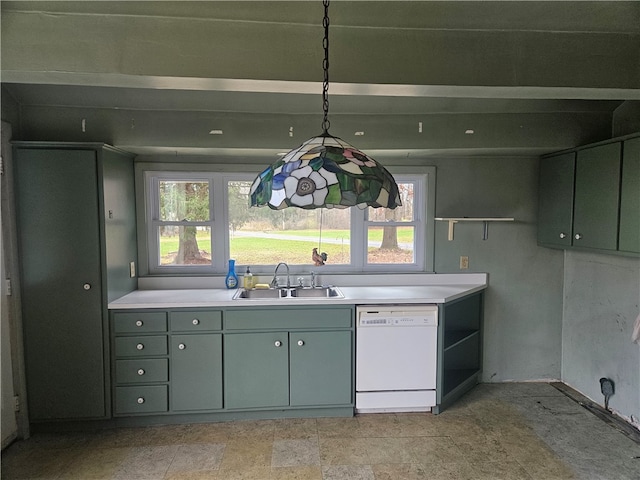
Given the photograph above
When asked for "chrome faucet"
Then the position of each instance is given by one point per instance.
(274, 281)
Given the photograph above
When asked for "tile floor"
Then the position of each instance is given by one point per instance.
(497, 431)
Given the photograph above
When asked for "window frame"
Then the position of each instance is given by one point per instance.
(219, 176)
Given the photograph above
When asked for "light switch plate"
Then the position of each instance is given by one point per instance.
(132, 269)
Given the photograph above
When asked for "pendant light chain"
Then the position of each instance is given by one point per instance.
(325, 67)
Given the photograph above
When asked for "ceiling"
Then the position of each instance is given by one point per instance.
(408, 79)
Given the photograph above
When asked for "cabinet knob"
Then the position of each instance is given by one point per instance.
(300, 343)
(195, 321)
(87, 286)
(140, 400)
(182, 346)
(141, 371)
(278, 343)
(139, 323)
(578, 236)
(140, 346)
(563, 235)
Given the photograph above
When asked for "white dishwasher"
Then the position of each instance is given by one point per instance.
(396, 355)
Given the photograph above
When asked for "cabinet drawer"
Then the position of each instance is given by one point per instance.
(142, 370)
(142, 322)
(141, 346)
(287, 319)
(143, 399)
(195, 321)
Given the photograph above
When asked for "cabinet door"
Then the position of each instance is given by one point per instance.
(629, 240)
(196, 372)
(256, 370)
(321, 368)
(595, 221)
(60, 253)
(555, 205)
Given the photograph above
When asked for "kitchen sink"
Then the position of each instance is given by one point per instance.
(288, 293)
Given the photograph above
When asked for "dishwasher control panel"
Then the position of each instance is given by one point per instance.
(426, 315)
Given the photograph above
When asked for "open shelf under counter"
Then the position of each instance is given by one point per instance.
(454, 338)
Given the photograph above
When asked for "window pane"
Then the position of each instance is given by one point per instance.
(181, 245)
(403, 213)
(390, 244)
(262, 236)
(184, 200)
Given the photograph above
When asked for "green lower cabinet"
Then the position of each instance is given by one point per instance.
(196, 372)
(256, 370)
(320, 368)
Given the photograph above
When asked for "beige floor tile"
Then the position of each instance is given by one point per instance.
(388, 450)
(295, 453)
(399, 471)
(417, 425)
(348, 472)
(197, 475)
(206, 433)
(147, 462)
(95, 464)
(295, 428)
(503, 470)
(44, 464)
(379, 425)
(253, 429)
(434, 450)
(246, 472)
(197, 457)
(246, 452)
(338, 427)
(343, 451)
(296, 473)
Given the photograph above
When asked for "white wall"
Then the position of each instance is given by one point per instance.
(523, 304)
(601, 298)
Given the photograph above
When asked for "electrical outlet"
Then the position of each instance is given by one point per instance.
(464, 262)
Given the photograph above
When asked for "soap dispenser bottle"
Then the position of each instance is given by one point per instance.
(247, 280)
(232, 279)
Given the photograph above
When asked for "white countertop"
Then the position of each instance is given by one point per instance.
(353, 295)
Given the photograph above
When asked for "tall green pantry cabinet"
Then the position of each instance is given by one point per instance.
(77, 245)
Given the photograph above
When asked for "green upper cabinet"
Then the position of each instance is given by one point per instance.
(589, 198)
(555, 207)
(597, 197)
(629, 240)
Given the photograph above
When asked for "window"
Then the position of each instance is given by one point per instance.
(196, 221)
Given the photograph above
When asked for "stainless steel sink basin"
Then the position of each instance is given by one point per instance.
(318, 292)
(288, 293)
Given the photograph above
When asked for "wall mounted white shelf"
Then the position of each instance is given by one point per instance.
(485, 221)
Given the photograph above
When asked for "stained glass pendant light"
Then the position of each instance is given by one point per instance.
(325, 171)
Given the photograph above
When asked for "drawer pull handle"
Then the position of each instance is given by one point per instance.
(141, 371)
(140, 400)
(278, 343)
(300, 343)
(578, 236)
(87, 286)
(182, 346)
(195, 321)
(140, 346)
(139, 323)
(563, 235)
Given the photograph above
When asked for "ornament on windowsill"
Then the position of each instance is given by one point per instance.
(318, 258)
